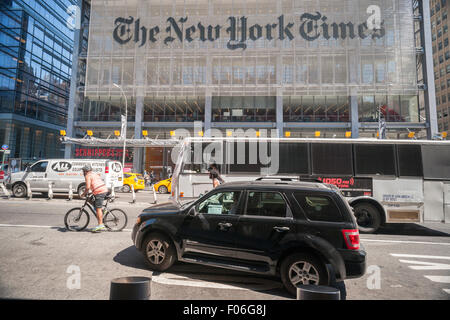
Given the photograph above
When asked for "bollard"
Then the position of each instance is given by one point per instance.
(155, 200)
(312, 292)
(133, 194)
(113, 192)
(29, 193)
(5, 190)
(70, 192)
(50, 191)
(130, 288)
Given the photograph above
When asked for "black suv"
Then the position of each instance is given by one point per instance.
(304, 232)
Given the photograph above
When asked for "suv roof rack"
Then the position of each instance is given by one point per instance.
(278, 178)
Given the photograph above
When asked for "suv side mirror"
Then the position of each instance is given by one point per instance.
(192, 212)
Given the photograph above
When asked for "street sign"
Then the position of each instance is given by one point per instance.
(5, 147)
(7, 152)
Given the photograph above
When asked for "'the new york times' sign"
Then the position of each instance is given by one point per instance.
(311, 26)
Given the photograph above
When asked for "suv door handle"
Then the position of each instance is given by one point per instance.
(281, 229)
(224, 225)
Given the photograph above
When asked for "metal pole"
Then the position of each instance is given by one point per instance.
(126, 124)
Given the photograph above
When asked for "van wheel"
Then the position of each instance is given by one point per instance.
(302, 269)
(81, 190)
(367, 217)
(19, 190)
(159, 252)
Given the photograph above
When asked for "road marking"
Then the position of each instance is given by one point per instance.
(447, 290)
(43, 227)
(406, 242)
(419, 256)
(440, 279)
(27, 226)
(426, 265)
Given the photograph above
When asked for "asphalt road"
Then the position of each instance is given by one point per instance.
(41, 260)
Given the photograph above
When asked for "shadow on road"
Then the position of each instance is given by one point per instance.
(131, 257)
(410, 229)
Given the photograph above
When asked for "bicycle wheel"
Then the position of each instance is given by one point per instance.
(76, 219)
(115, 220)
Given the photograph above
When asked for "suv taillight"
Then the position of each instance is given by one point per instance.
(351, 238)
(106, 169)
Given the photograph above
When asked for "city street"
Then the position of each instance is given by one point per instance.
(41, 260)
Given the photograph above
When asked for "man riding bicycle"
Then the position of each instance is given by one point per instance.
(95, 184)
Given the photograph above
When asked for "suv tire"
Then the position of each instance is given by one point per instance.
(305, 269)
(368, 217)
(159, 252)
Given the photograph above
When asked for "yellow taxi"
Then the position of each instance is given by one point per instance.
(163, 186)
(133, 179)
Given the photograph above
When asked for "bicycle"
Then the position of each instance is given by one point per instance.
(77, 219)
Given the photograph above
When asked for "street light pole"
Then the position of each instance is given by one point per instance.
(126, 123)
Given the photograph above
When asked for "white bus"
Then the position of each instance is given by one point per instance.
(385, 181)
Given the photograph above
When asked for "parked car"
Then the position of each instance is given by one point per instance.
(62, 172)
(133, 179)
(303, 232)
(163, 186)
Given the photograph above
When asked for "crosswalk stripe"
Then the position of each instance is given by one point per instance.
(419, 256)
(440, 279)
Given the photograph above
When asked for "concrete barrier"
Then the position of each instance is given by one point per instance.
(312, 292)
(130, 288)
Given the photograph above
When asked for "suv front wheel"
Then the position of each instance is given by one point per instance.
(159, 252)
(302, 269)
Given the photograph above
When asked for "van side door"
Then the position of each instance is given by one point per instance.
(38, 176)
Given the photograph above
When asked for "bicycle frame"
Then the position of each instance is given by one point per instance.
(88, 204)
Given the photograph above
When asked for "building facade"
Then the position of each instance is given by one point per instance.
(35, 69)
(296, 67)
(441, 59)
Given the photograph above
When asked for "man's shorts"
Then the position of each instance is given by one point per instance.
(99, 200)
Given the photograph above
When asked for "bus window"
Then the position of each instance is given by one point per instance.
(409, 160)
(334, 159)
(294, 158)
(374, 159)
(436, 162)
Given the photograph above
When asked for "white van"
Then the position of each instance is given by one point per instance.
(60, 173)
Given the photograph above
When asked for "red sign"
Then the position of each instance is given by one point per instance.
(101, 153)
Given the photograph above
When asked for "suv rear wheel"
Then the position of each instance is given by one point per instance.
(300, 268)
(159, 252)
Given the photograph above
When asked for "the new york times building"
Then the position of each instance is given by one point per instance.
(293, 66)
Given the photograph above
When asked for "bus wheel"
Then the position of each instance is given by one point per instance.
(367, 217)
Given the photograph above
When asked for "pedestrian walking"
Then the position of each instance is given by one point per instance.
(214, 175)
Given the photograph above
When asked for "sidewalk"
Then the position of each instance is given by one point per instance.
(142, 197)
